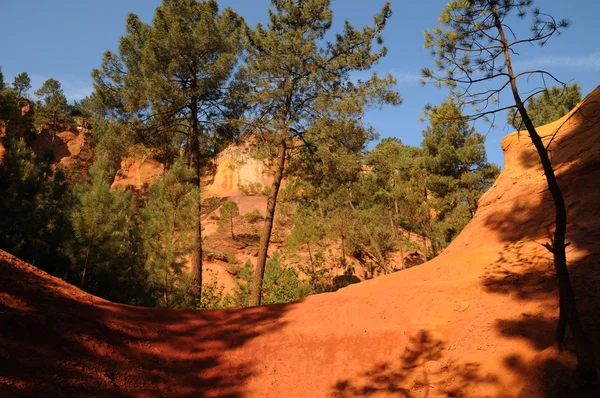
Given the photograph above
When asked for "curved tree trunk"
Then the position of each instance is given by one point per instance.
(259, 272)
(568, 309)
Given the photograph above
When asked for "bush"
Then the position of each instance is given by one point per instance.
(253, 188)
(253, 216)
(281, 283)
(240, 296)
(212, 296)
(213, 204)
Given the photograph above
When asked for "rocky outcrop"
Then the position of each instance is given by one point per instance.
(234, 167)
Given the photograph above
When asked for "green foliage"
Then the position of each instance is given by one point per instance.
(229, 212)
(307, 229)
(253, 216)
(550, 105)
(176, 72)
(213, 296)
(281, 283)
(105, 248)
(112, 139)
(213, 204)
(319, 274)
(169, 221)
(34, 209)
(52, 110)
(252, 188)
(240, 296)
(22, 84)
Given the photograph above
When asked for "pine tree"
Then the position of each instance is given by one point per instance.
(52, 108)
(173, 81)
(22, 84)
(52, 114)
(34, 209)
(475, 47)
(229, 212)
(306, 231)
(296, 79)
(458, 173)
(168, 231)
(105, 246)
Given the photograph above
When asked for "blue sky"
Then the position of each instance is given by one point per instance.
(65, 40)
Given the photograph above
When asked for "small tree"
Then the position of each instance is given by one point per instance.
(475, 47)
(307, 230)
(168, 230)
(22, 84)
(229, 212)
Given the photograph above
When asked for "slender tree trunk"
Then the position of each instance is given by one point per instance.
(165, 284)
(394, 234)
(196, 288)
(568, 308)
(312, 263)
(402, 263)
(259, 273)
(231, 225)
(320, 210)
(343, 244)
(85, 263)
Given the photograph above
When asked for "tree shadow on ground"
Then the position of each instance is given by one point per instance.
(524, 269)
(413, 373)
(57, 341)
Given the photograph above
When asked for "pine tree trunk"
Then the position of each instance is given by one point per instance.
(568, 308)
(196, 288)
(343, 244)
(85, 263)
(165, 284)
(259, 272)
(231, 225)
(312, 263)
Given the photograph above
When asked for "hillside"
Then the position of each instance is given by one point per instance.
(478, 321)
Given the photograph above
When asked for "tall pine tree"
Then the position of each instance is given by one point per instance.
(297, 78)
(173, 81)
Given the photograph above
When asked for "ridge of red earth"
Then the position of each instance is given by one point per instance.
(477, 321)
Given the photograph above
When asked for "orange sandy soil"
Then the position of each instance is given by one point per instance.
(478, 321)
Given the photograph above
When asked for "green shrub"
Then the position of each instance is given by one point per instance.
(253, 216)
(281, 283)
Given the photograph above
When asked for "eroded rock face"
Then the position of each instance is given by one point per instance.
(235, 166)
(68, 146)
(138, 172)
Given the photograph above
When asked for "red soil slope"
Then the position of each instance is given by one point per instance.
(477, 321)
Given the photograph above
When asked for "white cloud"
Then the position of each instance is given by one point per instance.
(590, 62)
